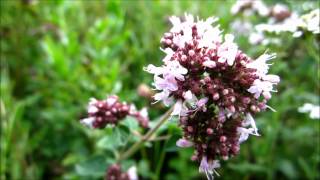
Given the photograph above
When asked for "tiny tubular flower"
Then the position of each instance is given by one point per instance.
(184, 143)
(209, 167)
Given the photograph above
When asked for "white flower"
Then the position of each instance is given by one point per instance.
(184, 143)
(177, 25)
(242, 27)
(188, 95)
(164, 97)
(244, 133)
(170, 72)
(271, 78)
(169, 53)
(175, 69)
(179, 109)
(255, 5)
(265, 83)
(92, 107)
(111, 100)
(311, 21)
(88, 122)
(256, 38)
(191, 101)
(228, 50)
(249, 121)
(260, 64)
(144, 113)
(132, 173)
(259, 87)
(260, 7)
(154, 70)
(313, 110)
(239, 5)
(209, 167)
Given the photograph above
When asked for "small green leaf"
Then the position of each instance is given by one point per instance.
(95, 166)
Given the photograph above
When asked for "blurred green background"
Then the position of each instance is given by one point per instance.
(55, 55)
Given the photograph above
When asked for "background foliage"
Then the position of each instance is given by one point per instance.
(55, 55)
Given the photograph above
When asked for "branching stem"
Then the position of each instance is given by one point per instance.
(145, 138)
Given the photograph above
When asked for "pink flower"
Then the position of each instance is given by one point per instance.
(168, 83)
(164, 97)
(184, 143)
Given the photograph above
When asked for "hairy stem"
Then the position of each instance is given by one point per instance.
(145, 138)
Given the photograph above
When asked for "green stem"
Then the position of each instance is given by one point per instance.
(145, 138)
(160, 161)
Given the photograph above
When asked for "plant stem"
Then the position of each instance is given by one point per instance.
(145, 138)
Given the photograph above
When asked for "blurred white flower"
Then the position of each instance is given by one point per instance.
(88, 121)
(250, 6)
(312, 21)
(242, 27)
(132, 173)
(256, 38)
(313, 110)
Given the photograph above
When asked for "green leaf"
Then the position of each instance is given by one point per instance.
(95, 166)
(118, 137)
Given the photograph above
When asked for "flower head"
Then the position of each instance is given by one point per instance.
(114, 172)
(214, 87)
(111, 111)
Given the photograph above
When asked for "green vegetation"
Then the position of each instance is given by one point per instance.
(55, 55)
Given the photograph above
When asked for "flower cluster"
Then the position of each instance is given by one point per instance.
(114, 173)
(214, 87)
(292, 22)
(279, 19)
(250, 6)
(111, 111)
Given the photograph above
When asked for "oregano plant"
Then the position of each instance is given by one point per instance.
(208, 83)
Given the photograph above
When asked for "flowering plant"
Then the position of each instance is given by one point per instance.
(212, 86)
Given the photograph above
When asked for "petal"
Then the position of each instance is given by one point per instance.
(92, 109)
(209, 64)
(177, 108)
(188, 95)
(184, 143)
(202, 102)
(132, 173)
(88, 121)
(153, 69)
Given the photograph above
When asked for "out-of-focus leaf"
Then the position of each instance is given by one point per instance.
(95, 166)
